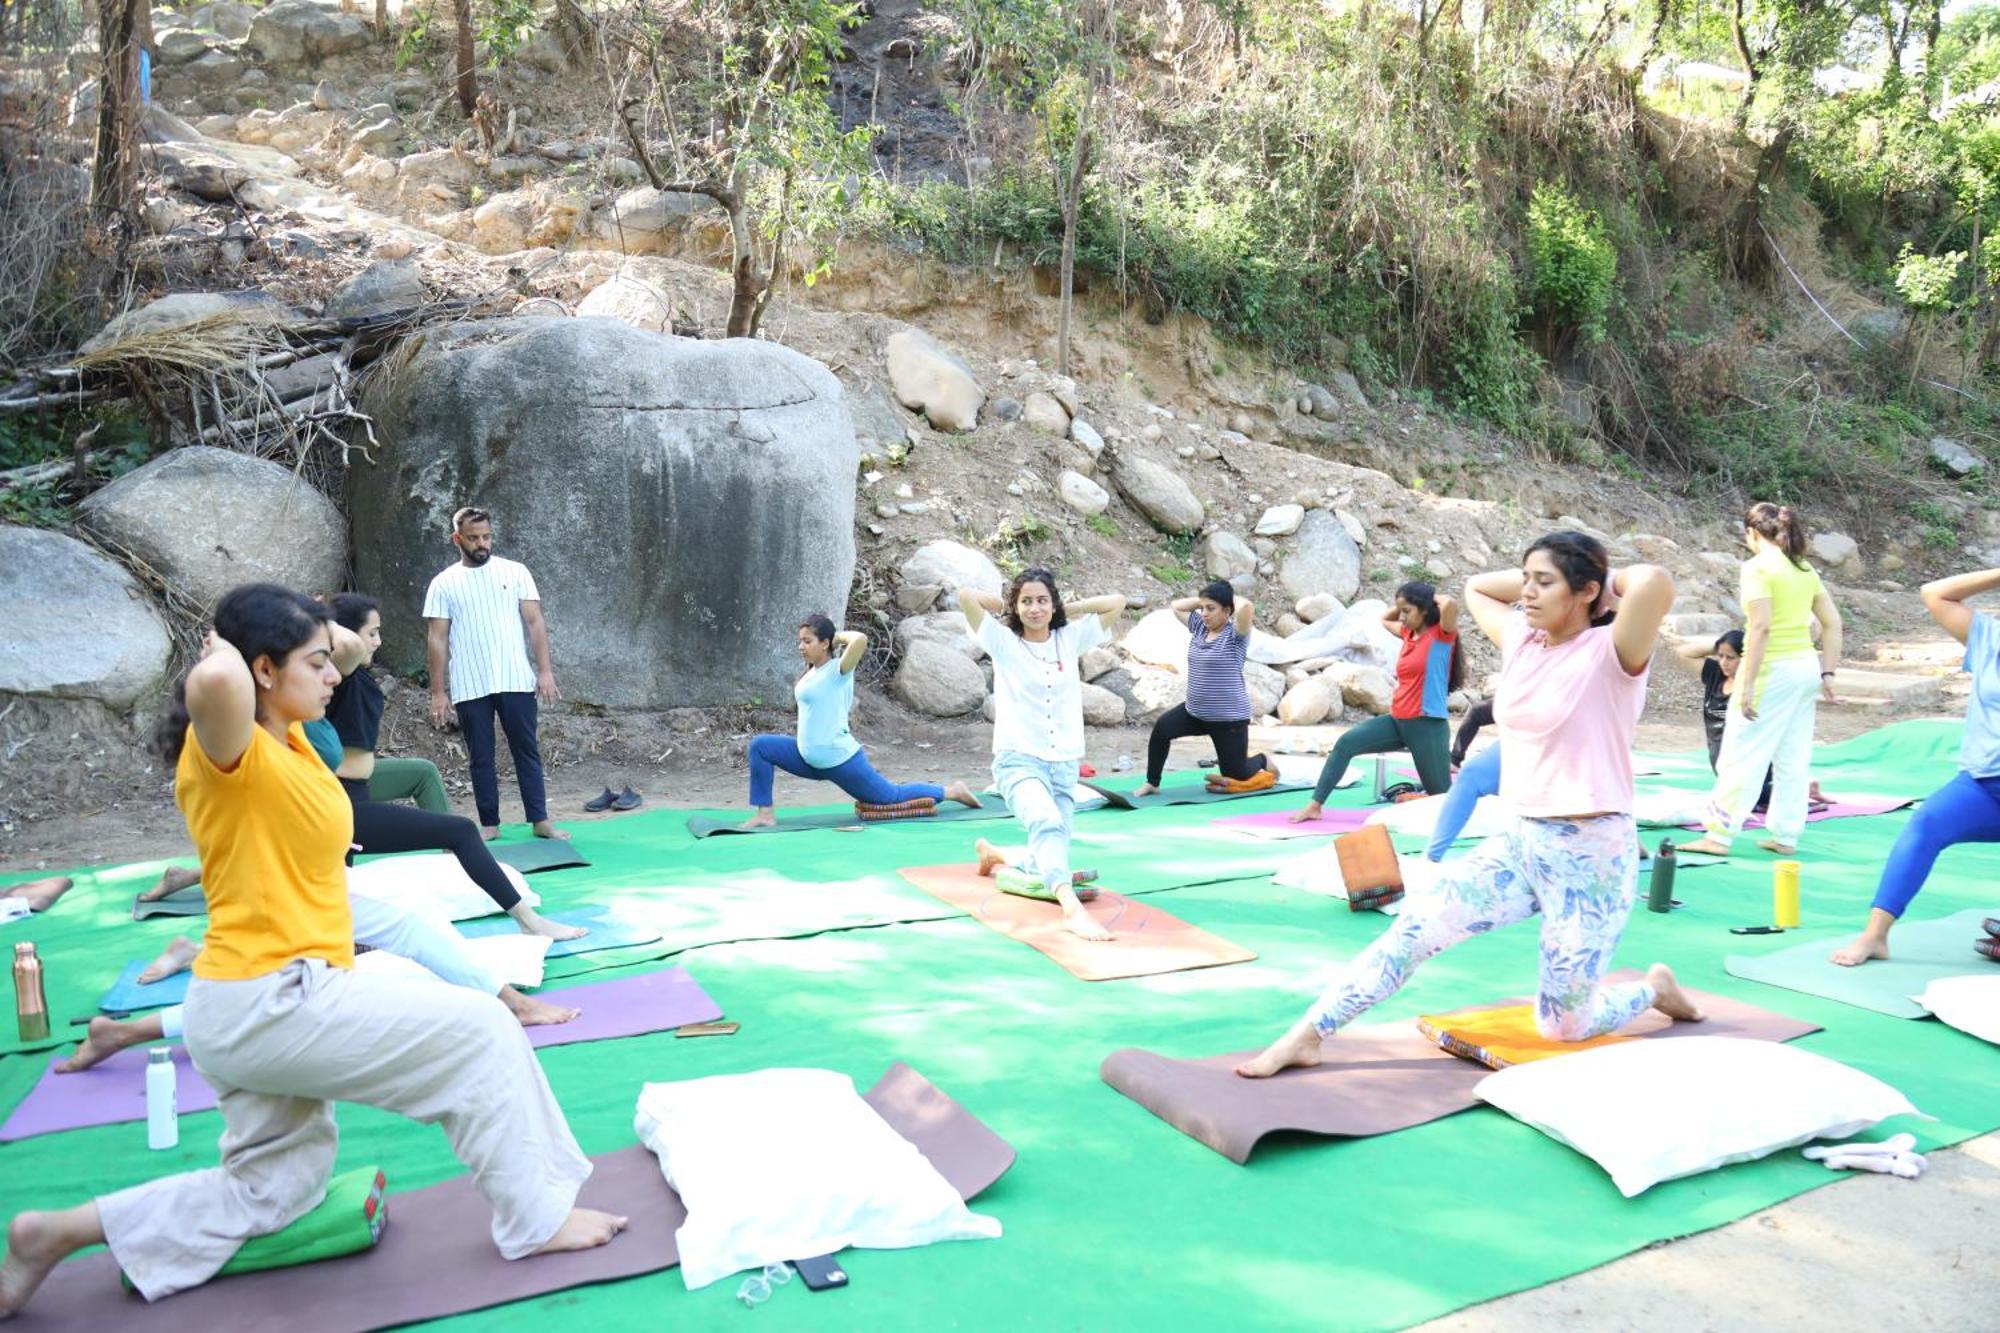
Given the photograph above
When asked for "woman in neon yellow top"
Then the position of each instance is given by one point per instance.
(1769, 728)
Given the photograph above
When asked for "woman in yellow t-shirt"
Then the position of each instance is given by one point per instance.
(276, 1018)
(1769, 727)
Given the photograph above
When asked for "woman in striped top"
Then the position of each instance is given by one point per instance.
(1218, 703)
(1428, 669)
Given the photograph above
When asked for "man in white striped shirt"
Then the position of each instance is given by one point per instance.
(482, 616)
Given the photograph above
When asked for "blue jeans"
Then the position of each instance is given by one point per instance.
(517, 714)
(1039, 794)
(1478, 776)
(854, 776)
(1966, 809)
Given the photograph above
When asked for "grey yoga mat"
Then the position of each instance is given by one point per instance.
(1187, 794)
(1920, 952)
(1372, 1079)
(437, 1257)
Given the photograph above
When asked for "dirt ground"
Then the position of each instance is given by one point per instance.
(1869, 1253)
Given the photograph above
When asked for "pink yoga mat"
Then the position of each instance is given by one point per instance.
(115, 1091)
(1278, 823)
(1849, 808)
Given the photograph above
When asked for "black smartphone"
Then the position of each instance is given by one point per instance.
(821, 1273)
(1756, 930)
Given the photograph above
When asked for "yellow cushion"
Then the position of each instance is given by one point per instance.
(1500, 1037)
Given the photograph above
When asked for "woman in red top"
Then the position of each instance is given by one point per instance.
(1427, 670)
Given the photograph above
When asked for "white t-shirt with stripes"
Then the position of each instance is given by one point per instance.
(489, 644)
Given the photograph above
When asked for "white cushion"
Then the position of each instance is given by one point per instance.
(1970, 1004)
(1654, 1110)
(515, 960)
(1418, 818)
(787, 1164)
(1668, 808)
(434, 882)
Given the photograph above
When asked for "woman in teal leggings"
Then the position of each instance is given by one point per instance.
(1428, 669)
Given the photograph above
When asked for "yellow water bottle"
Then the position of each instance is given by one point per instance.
(1785, 894)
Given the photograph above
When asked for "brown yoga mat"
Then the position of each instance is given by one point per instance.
(437, 1257)
(1145, 941)
(1373, 1079)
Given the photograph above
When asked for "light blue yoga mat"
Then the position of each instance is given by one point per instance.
(127, 995)
(608, 930)
(1920, 952)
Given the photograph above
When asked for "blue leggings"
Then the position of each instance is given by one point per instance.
(1478, 776)
(854, 776)
(1966, 809)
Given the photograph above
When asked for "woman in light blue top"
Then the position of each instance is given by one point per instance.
(824, 750)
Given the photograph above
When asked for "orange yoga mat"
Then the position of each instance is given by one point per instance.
(1504, 1036)
(1145, 940)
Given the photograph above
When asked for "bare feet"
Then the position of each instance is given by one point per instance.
(1705, 846)
(1304, 816)
(178, 957)
(36, 1243)
(1149, 789)
(963, 794)
(40, 893)
(535, 1013)
(532, 922)
(544, 829)
(108, 1036)
(766, 817)
(1079, 921)
(1669, 998)
(990, 857)
(1774, 846)
(172, 880)
(490, 834)
(583, 1229)
(1867, 945)
(1297, 1049)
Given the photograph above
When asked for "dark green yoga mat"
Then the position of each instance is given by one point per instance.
(182, 902)
(1920, 952)
(703, 826)
(1189, 794)
(541, 854)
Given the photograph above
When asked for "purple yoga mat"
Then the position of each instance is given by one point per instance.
(115, 1092)
(1846, 809)
(1278, 823)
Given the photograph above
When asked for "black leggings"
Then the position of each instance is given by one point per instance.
(1477, 717)
(1232, 744)
(380, 827)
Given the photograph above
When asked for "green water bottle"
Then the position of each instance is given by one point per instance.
(1660, 897)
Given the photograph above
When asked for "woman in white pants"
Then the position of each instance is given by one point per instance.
(1770, 723)
(276, 1019)
(1037, 652)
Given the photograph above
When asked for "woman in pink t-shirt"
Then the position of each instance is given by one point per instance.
(1567, 708)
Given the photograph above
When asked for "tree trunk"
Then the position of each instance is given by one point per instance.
(114, 174)
(744, 287)
(1072, 202)
(1749, 65)
(1747, 247)
(1655, 36)
(468, 87)
(381, 20)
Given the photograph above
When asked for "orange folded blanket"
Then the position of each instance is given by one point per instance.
(1500, 1037)
(1257, 781)
(916, 809)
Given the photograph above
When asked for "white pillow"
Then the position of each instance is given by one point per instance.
(1970, 1004)
(1667, 808)
(786, 1164)
(1318, 871)
(515, 960)
(432, 881)
(1654, 1110)
(1418, 818)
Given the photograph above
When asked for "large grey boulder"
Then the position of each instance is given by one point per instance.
(1102, 708)
(1158, 492)
(927, 377)
(210, 519)
(383, 288)
(683, 504)
(1323, 559)
(629, 299)
(1225, 555)
(946, 629)
(939, 681)
(78, 625)
(297, 32)
(941, 568)
(1266, 687)
(1159, 639)
(1834, 550)
(642, 221)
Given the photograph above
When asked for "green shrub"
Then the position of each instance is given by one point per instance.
(1573, 261)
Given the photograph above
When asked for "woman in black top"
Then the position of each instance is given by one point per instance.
(356, 714)
(1718, 663)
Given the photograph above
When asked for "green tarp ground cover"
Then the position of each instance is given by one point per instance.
(1112, 1218)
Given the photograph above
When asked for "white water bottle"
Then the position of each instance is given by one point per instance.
(163, 1126)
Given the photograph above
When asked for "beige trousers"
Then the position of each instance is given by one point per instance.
(280, 1049)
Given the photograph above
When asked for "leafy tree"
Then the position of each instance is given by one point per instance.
(753, 128)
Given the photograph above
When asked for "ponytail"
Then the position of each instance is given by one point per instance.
(1781, 526)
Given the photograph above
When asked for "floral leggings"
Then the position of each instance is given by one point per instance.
(1581, 875)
